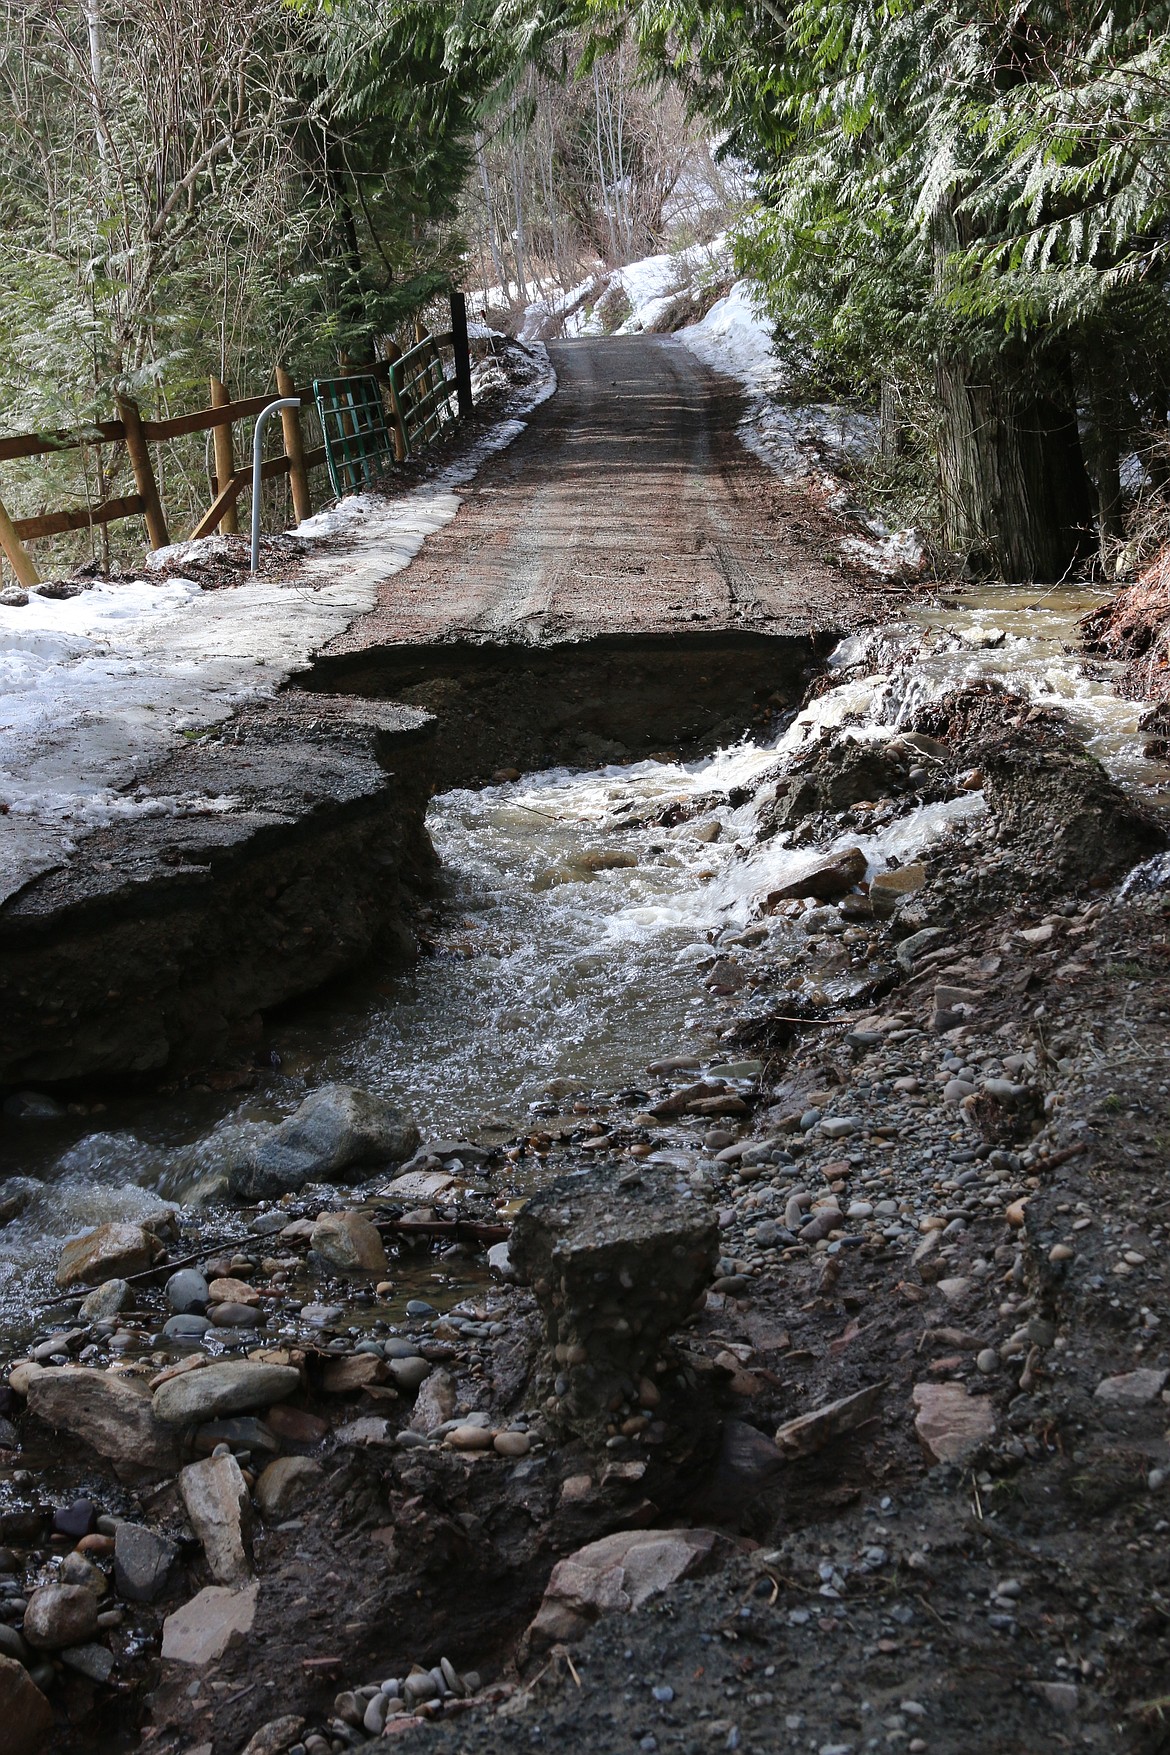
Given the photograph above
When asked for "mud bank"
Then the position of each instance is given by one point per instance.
(898, 1480)
(157, 947)
(160, 941)
(609, 698)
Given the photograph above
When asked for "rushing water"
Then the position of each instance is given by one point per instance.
(571, 941)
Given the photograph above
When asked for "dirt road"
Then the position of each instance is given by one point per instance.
(629, 506)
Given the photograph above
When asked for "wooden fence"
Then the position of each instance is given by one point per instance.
(415, 385)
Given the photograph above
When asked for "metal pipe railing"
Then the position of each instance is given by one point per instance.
(262, 420)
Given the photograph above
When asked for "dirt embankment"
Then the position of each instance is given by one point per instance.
(1134, 627)
(899, 1480)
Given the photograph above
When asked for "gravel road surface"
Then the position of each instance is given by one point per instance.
(629, 505)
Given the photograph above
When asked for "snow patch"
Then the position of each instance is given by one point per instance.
(97, 688)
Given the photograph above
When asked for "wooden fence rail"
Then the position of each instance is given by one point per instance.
(414, 402)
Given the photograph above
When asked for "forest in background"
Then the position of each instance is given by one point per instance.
(959, 215)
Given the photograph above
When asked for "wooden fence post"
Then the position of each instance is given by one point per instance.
(18, 556)
(401, 448)
(139, 450)
(225, 461)
(462, 353)
(294, 448)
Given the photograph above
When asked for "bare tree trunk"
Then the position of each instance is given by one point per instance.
(1105, 444)
(1015, 495)
(93, 30)
(490, 215)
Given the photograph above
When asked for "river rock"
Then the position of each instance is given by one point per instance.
(15, 1194)
(286, 1484)
(616, 1574)
(616, 1260)
(410, 1373)
(111, 1413)
(95, 1662)
(1132, 1389)
(348, 1243)
(239, 1432)
(435, 1402)
(295, 1426)
(186, 1328)
(111, 1250)
(826, 879)
(235, 1316)
(25, 1714)
(276, 1736)
(227, 1290)
(951, 1425)
(60, 1615)
(222, 1388)
(345, 1376)
(888, 887)
(335, 1129)
(143, 1562)
(105, 1300)
(187, 1292)
(199, 1632)
(216, 1498)
(13, 1646)
(499, 1258)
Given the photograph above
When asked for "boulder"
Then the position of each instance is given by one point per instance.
(334, 1130)
(223, 1388)
(25, 1714)
(826, 879)
(616, 1574)
(143, 1563)
(216, 1499)
(286, 1484)
(200, 1631)
(951, 1425)
(59, 1615)
(111, 1251)
(347, 1243)
(110, 1413)
(617, 1259)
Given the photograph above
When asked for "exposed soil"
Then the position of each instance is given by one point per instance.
(1135, 628)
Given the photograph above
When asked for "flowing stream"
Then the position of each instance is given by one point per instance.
(571, 938)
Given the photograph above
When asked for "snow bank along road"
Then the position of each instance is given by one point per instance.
(629, 505)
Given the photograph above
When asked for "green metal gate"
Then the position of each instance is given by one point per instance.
(358, 443)
(424, 396)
